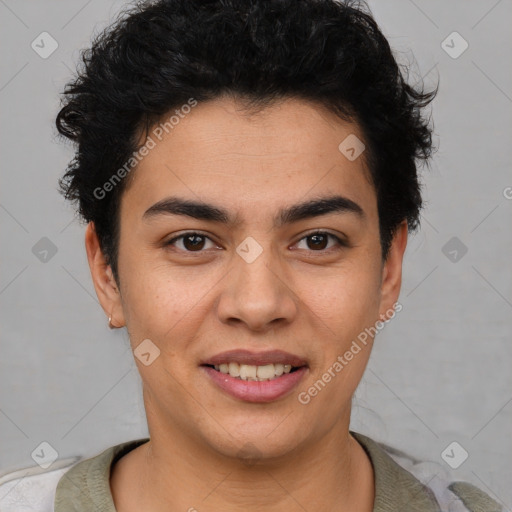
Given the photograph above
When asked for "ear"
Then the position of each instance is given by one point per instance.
(103, 279)
(392, 272)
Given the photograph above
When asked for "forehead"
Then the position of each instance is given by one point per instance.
(217, 150)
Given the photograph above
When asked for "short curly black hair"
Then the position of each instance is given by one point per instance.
(158, 55)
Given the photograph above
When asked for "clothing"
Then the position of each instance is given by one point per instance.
(84, 486)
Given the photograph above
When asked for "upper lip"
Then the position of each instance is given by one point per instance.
(255, 358)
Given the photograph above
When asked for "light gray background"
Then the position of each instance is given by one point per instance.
(440, 371)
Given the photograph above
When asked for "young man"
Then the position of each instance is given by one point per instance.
(248, 174)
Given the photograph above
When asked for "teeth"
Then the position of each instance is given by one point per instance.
(252, 372)
(279, 369)
(234, 369)
(265, 372)
(247, 372)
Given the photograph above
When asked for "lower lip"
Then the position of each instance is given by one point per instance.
(256, 391)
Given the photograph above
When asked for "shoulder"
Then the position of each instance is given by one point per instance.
(432, 476)
(68, 483)
(33, 488)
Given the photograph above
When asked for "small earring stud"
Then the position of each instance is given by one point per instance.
(110, 325)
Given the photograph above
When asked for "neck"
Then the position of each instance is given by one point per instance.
(174, 470)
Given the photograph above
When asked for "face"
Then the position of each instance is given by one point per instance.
(259, 278)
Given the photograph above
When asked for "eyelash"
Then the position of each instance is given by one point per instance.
(340, 242)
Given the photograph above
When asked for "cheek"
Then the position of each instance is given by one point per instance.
(150, 299)
(344, 309)
(156, 307)
(346, 301)
(163, 304)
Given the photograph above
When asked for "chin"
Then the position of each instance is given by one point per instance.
(257, 441)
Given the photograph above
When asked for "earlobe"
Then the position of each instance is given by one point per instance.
(103, 279)
(392, 271)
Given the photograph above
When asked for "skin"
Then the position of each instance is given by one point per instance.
(299, 297)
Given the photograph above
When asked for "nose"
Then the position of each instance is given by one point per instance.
(257, 294)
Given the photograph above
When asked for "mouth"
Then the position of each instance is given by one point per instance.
(252, 372)
(255, 377)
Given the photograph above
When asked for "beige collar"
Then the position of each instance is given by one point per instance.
(86, 486)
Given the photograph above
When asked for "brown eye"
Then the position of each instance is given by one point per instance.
(319, 241)
(190, 242)
(193, 242)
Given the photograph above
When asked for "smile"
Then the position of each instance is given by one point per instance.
(255, 377)
(253, 372)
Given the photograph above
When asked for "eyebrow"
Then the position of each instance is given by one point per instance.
(209, 212)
